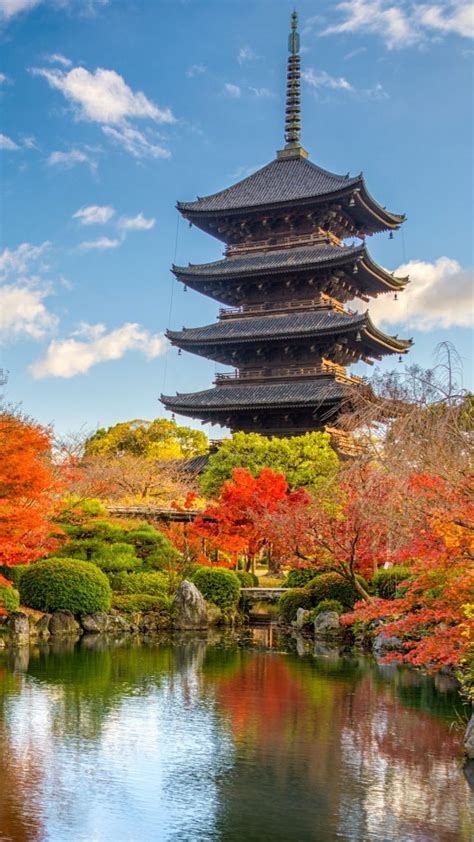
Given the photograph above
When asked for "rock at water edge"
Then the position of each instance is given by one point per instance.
(190, 608)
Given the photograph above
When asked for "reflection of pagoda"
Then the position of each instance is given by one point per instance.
(286, 276)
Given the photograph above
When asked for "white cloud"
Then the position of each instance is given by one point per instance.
(261, 93)
(71, 158)
(22, 311)
(245, 54)
(10, 8)
(404, 23)
(94, 214)
(439, 295)
(196, 70)
(103, 96)
(354, 53)
(101, 244)
(7, 143)
(232, 90)
(136, 223)
(58, 58)
(322, 79)
(3, 78)
(72, 356)
(135, 142)
(20, 260)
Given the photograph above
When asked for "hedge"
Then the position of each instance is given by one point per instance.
(142, 602)
(117, 557)
(220, 586)
(289, 603)
(334, 586)
(299, 577)
(247, 580)
(77, 586)
(9, 598)
(153, 583)
(13, 572)
(386, 581)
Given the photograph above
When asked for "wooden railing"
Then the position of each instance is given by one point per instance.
(321, 301)
(324, 368)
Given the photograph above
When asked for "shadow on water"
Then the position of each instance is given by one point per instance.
(229, 736)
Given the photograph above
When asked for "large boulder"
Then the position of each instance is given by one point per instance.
(19, 627)
(301, 615)
(469, 739)
(190, 608)
(384, 644)
(95, 623)
(62, 623)
(327, 624)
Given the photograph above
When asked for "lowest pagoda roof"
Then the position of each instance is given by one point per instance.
(275, 261)
(291, 326)
(288, 180)
(308, 393)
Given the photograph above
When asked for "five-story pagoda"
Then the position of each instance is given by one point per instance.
(286, 275)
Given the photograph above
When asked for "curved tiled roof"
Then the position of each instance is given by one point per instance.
(308, 393)
(283, 180)
(271, 261)
(268, 327)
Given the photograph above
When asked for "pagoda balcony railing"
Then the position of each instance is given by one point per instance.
(320, 302)
(322, 369)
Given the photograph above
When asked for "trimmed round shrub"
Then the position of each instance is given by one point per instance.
(9, 598)
(78, 586)
(116, 557)
(13, 573)
(220, 586)
(289, 603)
(333, 586)
(298, 578)
(142, 602)
(386, 581)
(247, 580)
(328, 605)
(152, 546)
(139, 583)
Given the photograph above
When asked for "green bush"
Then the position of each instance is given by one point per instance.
(220, 586)
(289, 603)
(9, 598)
(13, 573)
(151, 546)
(328, 605)
(139, 583)
(77, 586)
(247, 580)
(386, 582)
(333, 586)
(142, 602)
(117, 557)
(298, 578)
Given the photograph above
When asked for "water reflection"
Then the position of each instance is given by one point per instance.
(224, 738)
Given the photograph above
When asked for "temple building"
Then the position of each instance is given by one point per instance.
(286, 278)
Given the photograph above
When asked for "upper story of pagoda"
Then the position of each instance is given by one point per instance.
(290, 201)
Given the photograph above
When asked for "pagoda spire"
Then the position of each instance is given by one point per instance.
(293, 146)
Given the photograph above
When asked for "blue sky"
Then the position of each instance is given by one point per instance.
(114, 109)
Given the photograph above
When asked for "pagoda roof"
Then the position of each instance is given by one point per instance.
(285, 181)
(309, 393)
(292, 326)
(284, 260)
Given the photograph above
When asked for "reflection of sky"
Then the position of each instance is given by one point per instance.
(148, 775)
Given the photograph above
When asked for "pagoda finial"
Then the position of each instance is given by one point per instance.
(293, 147)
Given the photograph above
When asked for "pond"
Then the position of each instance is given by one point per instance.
(225, 737)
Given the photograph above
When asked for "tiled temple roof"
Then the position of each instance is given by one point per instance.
(267, 327)
(283, 180)
(308, 393)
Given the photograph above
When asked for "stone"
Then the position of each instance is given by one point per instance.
(116, 624)
(301, 615)
(62, 622)
(41, 627)
(214, 614)
(469, 739)
(383, 644)
(327, 624)
(19, 627)
(95, 623)
(190, 608)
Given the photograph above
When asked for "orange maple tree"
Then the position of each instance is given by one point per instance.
(29, 489)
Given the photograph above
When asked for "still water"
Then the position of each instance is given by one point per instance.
(225, 738)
